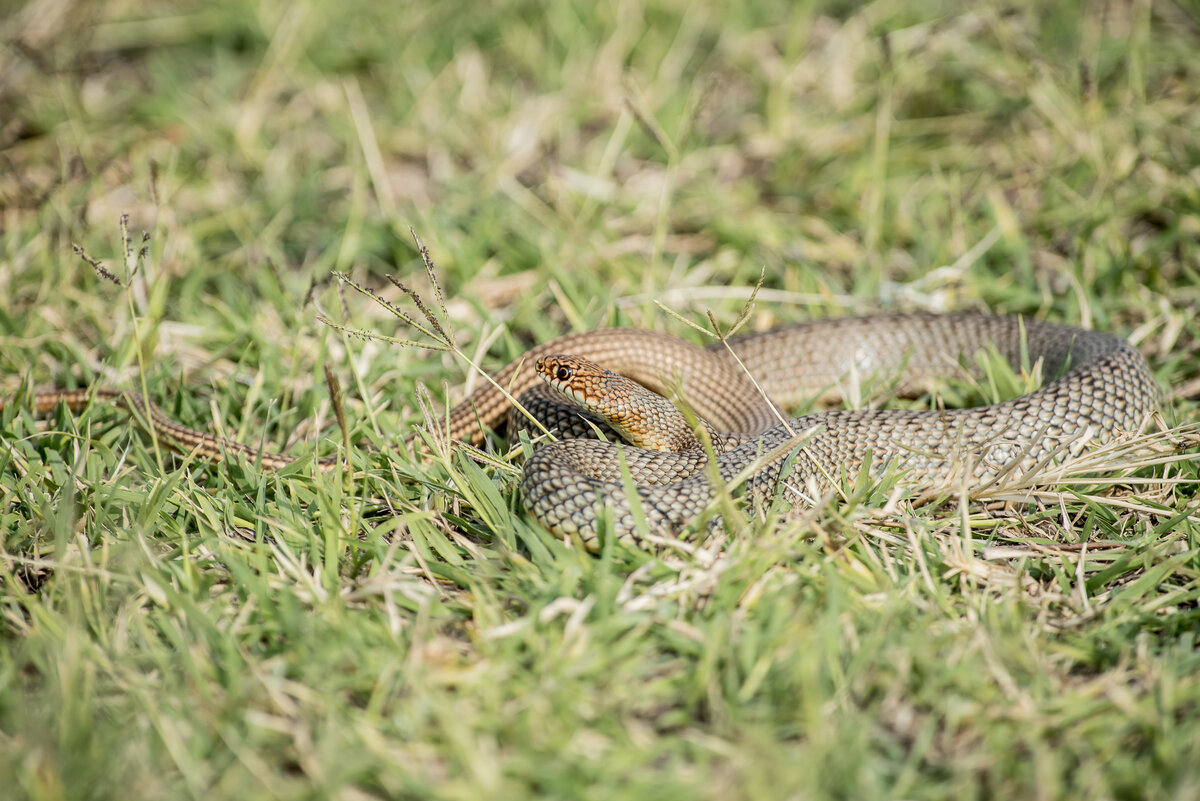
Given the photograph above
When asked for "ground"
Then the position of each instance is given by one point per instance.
(177, 629)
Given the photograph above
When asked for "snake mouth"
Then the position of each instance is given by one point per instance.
(565, 388)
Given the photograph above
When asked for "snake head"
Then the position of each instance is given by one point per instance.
(642, 417)
(581, 381)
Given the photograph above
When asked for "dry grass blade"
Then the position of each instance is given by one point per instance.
(431, 272)
(433, 331)
(374, 336)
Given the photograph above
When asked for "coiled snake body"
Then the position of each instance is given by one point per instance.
(1100, 386)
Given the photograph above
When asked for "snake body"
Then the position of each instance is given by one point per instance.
(180, 437)
(1100, 386)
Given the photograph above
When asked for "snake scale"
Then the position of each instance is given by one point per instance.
(1100, 386)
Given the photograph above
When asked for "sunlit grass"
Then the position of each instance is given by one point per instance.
(403, 628)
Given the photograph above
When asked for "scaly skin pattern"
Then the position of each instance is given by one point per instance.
(1102, 388)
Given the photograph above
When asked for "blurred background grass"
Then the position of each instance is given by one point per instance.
(172, 631)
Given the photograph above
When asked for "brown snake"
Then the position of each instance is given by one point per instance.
(1100, 386)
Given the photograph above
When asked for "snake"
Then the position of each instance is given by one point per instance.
(654, 473)
(1099, 387)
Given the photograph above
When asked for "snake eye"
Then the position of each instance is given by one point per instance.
(562, 373)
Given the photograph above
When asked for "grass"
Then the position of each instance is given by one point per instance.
(173, 629)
